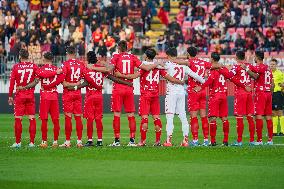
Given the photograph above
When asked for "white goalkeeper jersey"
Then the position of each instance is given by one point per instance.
(179, 72)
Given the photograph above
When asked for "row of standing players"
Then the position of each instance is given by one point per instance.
(201, 74)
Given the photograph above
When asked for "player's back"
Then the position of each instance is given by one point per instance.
(48, 81)
(95, 80)
(73, 70)
(22, 74)
(178, 72)
(198, 66)
(125, 63)
(264, 81)
(149, 80)
(218, 83)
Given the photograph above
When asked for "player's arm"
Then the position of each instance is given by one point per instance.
(252, 71)
(60, 78)
(181, 62)
(195, 75)
(48, 73)
(78, 86)
(68, 84)
(29, 86)
(120, 81)
(104, 69)
(207, 83)
(11, 87)
(128, 76)
(228, 74)
(173, 80)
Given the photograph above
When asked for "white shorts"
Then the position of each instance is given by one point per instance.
(175, 104)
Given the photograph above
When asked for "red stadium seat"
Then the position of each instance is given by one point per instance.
(195, 23)
(240, 31)
(274, 53)
(232, 45)
(218, 15)
(280, 23)
(205, 7)
(212, 47)
(264, 31)
(186, 24)
(231, 31)
(211, 8)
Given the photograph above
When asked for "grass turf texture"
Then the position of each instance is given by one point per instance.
(147, 167)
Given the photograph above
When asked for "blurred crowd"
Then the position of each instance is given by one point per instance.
(52, 25)
(226, 26)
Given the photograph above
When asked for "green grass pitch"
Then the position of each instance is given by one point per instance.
(148, 167)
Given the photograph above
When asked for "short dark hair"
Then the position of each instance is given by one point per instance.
(172, 51)
(23, 53)
(92, 57)
(122, 46)
(274, 60)
(71, 50)
(150, 53)
(240, 55)
(215, 56)
(48, 56)
(192, 51)
(259, 54)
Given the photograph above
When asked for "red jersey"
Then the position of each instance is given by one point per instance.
(95, 80)
(239, 77)
(216, 83)
(198, 66)
(264, 81)
(125, 64)
(73, 70)
(22, 74)
(149, 82)
(49, 84)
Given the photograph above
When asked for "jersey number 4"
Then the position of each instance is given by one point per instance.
(152, 79)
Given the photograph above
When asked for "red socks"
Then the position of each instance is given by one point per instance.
(143, 132)
(194, 127)
(44, 129)
(213, 129)
(99, 125)
(240, 128)
(56, 128)
(32, 130)
(90, 128)
(116, 126)
(158, 123)
(226, 128)
(251, 128)
(68, 127)
(79, 127)
(205, 127)
(132, 126)
(259, 127)
(18, 129)
(269, 129)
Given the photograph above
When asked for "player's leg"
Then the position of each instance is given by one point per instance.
(250, 113)
(67, 108)
(213, 130)
(77, 111)
(44, 109)
(268, 116)
(19, 111)
(213, 113)
(98, 118)
(259, 111)
(116, 105)
(129, 106)
(275, 110)
(193, 106)
(54, 113)
(180, 110)
(144, 110)
(281, 123)
(30, 111)
(239, 111)
(170, 106)
(223, 113)
(204, 119)
(89, 111)
(155, 111)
